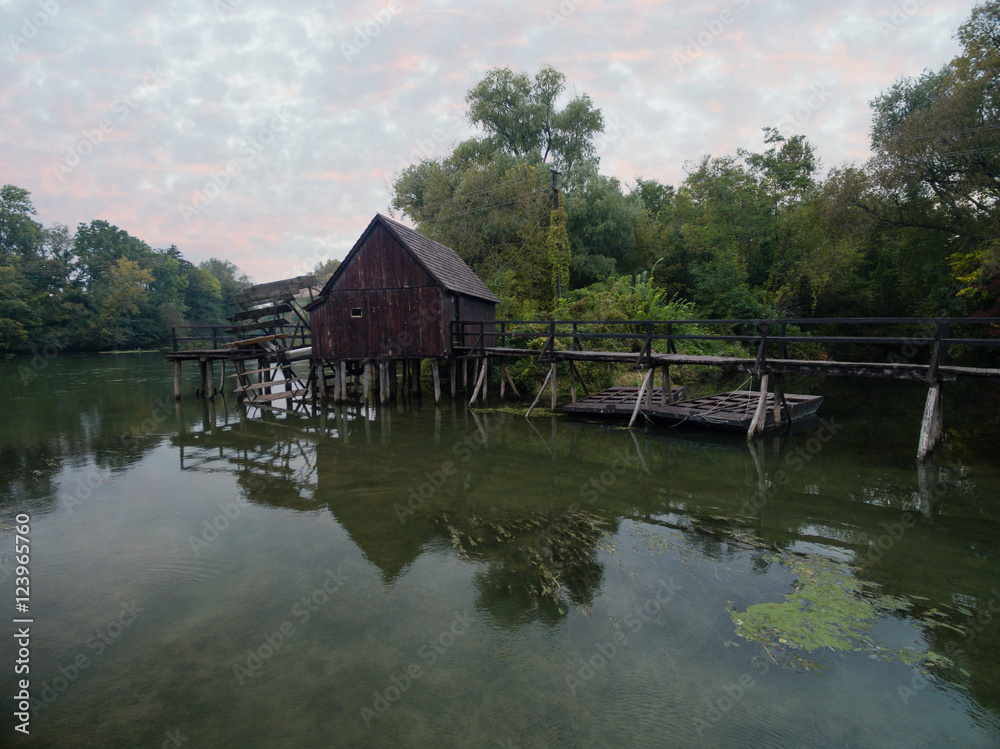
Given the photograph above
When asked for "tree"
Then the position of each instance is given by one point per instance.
(20, 234)
(521, 118)
(936, 169)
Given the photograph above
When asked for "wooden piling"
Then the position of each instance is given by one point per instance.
(667, 389)
(366, 384)
(933, 424)
(342, 380)
(554, 388)
(436, 372)
(760, 415)
(572, 384)
(479, 385)
(642, 391)
(177, 379)
(452, 373)
(539, 396)
(210, 380)
(202, 376)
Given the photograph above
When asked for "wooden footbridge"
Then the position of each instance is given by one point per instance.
(270, 329)
(896, 348)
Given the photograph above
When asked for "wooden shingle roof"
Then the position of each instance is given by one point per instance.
(440, 261)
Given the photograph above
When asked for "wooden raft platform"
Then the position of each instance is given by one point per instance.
(734, 410)
(615, 402)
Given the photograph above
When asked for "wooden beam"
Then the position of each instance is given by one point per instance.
(642, 391)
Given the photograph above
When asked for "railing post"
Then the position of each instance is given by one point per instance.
(762, 350)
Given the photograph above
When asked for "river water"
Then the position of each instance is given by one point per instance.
(421, 577)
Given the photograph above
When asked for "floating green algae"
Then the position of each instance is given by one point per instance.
(829, 610)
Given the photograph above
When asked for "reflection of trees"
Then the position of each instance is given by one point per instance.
(74, 412)
(544, 561)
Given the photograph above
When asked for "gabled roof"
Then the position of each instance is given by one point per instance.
(440, 261)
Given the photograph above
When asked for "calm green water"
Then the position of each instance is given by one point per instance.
(416, 577)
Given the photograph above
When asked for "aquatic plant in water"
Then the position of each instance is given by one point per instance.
(829, 610)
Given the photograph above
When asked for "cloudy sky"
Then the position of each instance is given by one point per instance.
(268, 133)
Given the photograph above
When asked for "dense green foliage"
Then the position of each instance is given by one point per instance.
(914, 231)
(99, 288)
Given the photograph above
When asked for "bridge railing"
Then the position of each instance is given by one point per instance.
(919, 337)
(200, 336)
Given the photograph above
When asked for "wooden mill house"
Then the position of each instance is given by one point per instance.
(392, 301)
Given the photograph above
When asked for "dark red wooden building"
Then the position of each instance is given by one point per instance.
(395, 295)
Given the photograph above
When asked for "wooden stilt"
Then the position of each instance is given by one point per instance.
(465, 374)
(452, 373)
(539, 396)
(554, 388)
(642, 391)
(933, 424)
(319, 372)
(342, 379)
(760, 415)
(503, 378)
(383, 383)
(649, 391)
(366, 384)
(667, 389)
(416, 378)
(177, 380)
(393, 386)
(210, 379)
(202, 376)
(222, 378)
(511, 381)
(781, 415)
(436, 373)
(479, 384)
(572, 384)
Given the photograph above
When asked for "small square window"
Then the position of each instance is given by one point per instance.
(355, 312)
